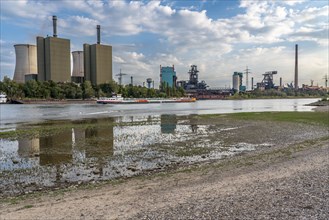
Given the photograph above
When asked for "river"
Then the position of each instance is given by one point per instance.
(16, 114)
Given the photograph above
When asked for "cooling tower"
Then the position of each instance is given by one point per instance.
(77, 63)
(26, 61)
(236, 82)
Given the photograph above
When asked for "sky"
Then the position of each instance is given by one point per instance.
(219, 36)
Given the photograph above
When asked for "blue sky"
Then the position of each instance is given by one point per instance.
(218, 36)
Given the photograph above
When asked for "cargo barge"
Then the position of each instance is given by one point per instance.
(121, 100)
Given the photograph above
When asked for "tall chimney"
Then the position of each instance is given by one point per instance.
(131, 79)
(281, 82)
(252, 83)
(55, 25)
(98, 34)
(296, 66)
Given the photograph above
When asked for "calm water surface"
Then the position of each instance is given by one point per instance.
(13, 114)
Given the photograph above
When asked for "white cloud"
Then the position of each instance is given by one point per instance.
(257, 37)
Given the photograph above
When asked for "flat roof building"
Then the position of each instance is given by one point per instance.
(54, 58)
(97, 62)
(168, 76)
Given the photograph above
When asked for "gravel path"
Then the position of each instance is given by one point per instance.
(287, 186)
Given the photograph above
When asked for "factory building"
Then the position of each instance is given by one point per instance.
(53, 54)
(168, 76)
(237, 82)
(78, 67)
(97, 62)
(26, 62)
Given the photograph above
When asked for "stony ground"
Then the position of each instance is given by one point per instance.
(287, 183)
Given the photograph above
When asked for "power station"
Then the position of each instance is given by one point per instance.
(97, 62)
(54, 57)
(26, 62)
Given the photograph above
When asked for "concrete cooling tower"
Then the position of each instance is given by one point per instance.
(77, 64)
(26, 61)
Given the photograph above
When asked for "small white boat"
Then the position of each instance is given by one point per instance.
(120, 100)
(3, 98)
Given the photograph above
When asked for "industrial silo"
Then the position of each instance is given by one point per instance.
(236, 82)
(26, 62)
(78, 67)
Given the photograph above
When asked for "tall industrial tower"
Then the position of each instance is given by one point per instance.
(247, 71)
(296, 66)
(97, 61)
(54, 58)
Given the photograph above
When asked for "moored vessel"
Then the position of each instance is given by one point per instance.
(3, 98)
(120, 100)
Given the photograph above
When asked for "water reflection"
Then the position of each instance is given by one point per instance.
(28, 147)
(168, 123)
(99, 141)
(77, 142)
(56, 149)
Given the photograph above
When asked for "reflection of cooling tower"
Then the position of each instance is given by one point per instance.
(77, 63)
(26, 61)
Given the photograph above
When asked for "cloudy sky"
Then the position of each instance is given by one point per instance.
(219, 36)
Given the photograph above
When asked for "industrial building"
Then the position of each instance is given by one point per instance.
(53, 55)
(26, 62)
(168, 76)
(78, 67)
(237, 82)
(97, 62)
(193, 82)
(267, 82)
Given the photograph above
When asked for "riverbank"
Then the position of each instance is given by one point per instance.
(284, 183)
(53, 101)
(286, 178)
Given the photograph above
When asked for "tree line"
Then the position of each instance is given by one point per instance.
(52, 90)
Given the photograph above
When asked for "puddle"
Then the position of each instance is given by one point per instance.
(102, 149)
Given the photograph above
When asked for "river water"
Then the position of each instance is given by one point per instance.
(14, 114)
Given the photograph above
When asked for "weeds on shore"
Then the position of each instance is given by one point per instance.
(313, 118)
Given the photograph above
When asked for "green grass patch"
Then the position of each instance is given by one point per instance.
(315, 118)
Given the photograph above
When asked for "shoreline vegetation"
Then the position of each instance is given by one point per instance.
(50, 92)
(287, 180)
(93, 100)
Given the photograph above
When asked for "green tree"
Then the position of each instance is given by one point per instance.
(87, 90)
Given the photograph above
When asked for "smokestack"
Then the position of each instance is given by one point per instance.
(296, 66)
(98, 34)
(131, 79)
(55, 25)
(252, 83)
(281, 82)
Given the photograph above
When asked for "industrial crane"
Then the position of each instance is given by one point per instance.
(120, 77)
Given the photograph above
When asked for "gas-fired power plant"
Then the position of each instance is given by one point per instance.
(97, 61)
(26, 62)
(53, 54)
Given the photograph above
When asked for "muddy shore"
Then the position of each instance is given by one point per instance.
(286, 179)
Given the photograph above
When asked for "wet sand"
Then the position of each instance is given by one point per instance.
(286, 183)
